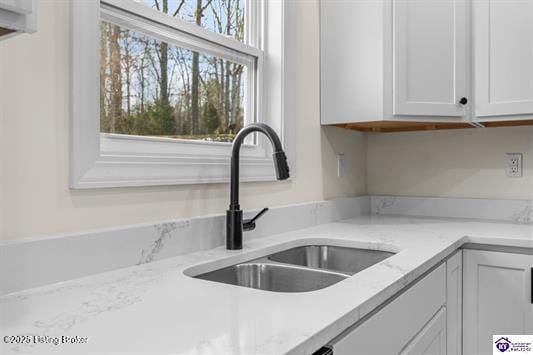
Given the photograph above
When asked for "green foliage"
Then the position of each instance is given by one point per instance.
(211, 118)
(155, 121)
(153, 88)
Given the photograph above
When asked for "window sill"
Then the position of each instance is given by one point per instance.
(113, 171)
(134, 161)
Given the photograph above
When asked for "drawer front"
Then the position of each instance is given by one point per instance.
(432, 339)
(391, 329)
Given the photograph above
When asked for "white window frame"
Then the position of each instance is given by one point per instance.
(111, 160)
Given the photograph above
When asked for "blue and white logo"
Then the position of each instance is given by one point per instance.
(522, 344)
(502, 344)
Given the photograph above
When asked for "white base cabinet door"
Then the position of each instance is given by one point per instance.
(432, 338)
(497, 298)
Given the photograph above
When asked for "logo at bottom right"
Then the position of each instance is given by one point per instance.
(521, 344)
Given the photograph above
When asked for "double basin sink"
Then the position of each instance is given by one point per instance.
(299, 269)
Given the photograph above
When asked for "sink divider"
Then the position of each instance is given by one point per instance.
(266, 260)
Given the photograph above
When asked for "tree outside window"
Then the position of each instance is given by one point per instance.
(150, 87)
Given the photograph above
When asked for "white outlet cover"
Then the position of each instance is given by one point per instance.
(513, 166)
(340, 165)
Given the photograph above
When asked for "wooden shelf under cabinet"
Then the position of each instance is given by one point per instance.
(407, 126)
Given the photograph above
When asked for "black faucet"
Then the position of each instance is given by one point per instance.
(234, 223)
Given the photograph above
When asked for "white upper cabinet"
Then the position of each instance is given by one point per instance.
(17, 6)
(503, 57)
(351, 46)
(17, 16)
(391, 61)
(430, 57)
(393, 65)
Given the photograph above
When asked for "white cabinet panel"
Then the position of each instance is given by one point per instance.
(351, 62)
(388, 61)
(17, 16)
(454, 303)
(432, 338)
(394, 326)
(18, 6)
(430, 57)
(503, 45)
(497, 298)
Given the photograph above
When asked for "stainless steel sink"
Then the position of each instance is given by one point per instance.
(272, 277)
(300, 269)
(341, 259)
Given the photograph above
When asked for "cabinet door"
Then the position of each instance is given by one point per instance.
(430, 57)
(431, 339)
(503, 45)
(454, 303)
(351, 60)
(497, 298)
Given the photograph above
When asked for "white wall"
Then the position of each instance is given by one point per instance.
(452, 163)
(36, 199)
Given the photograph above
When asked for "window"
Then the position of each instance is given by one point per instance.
(160, 87)
(226, 17)
(152, 83)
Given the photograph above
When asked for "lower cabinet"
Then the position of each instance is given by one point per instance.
(497, 298)
(431, 339)
(453, 310)
(413, 323)
(454, 304)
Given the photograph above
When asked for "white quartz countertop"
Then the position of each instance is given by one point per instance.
(156, 309)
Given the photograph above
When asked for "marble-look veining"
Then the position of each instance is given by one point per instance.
(524, 215)
(381, 203)
(26, 264)
(518, 211)
(155, 308)
(164, 231)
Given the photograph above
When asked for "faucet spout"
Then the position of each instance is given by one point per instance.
(234, 223)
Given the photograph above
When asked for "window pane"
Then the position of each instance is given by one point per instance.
(153, 88)
(220, 16)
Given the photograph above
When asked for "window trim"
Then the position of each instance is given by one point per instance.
(110, 160)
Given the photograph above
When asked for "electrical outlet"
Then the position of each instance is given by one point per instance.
(513, 165)
(340, 164)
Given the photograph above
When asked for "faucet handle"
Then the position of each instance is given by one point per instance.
(249, 224)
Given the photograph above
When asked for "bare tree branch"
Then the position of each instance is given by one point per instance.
(179, 8)
(206, 5)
